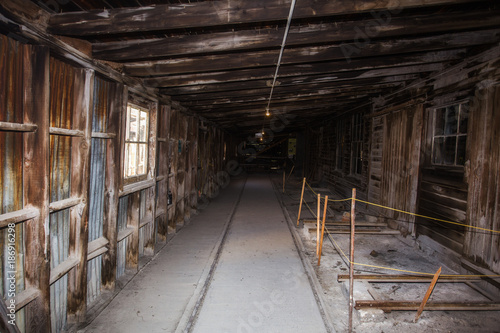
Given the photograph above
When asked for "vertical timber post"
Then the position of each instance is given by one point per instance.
(301, 199)
(322, 230)
(36, 186)
(318, 216)
(351, 259)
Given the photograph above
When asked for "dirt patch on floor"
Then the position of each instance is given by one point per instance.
(388, 251)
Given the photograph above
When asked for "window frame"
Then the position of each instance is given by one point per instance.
(457, 134)
(127, 141)
(340, 144)
(357, 139)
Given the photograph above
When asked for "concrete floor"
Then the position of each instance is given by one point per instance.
(233, 268)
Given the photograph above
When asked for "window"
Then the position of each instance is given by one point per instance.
(357, 144)
(340, 138)
(136, 141)
(450, 135)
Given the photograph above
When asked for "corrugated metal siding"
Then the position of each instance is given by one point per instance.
(11, 159)
(61, 110)
(121, 252)
(97, 183)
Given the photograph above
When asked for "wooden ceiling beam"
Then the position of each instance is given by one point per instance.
(217, 13)
(306, 83)
(308, 69)
(259, 94)
(238, 99)
(269, 38)
(298, 55)
(293, 76)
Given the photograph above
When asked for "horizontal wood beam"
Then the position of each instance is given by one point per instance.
(397, 66)
(298, 55)
(62, 269)
(390, 305)
(65, 131)
(216, 13)
(391, 278)
(259, 88)
(268, 38)
(18, 216)
(64, 204)
(297, 75)
(16, 127)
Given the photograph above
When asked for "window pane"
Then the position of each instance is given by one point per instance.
(464, 117)
(132, 159)
(462, 141)
(440, 121)
(141, 166)
(133, 124)
(451, 120)
(438, 152)
(143, 127)
(450, 146)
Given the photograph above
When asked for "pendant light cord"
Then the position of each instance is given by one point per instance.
(287, 29)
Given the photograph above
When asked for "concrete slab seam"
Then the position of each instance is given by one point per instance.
(311, 275)
(188, 318)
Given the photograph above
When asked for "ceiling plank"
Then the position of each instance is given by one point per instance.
(217, 13)
(305, 82)
(308, 54)
(294, 75)
(231, 41)
(309, 69)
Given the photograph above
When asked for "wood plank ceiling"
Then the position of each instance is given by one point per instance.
(218, 58)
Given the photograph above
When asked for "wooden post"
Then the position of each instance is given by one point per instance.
(427, 294)
(318, 216)
(80, 170)
(36, 185)
(301, 198)
(114, 169)
(284, 175)
(133, 221)
(322, 230)
(351, 259)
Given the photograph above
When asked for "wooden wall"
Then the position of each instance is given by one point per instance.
(329, 155)
(80, 227)
(483, 202)
(394, 163)
(400, 172)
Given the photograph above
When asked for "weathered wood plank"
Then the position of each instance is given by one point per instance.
(290, 83)
(63, 204)
(271, 37)
(364, 68)
(298, 55)
(19, 216)
(114, 169)
(80, 170)
(216, 13)
(36, 184)
(133, 220)
(15, 127)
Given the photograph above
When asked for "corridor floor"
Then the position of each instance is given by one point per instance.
(233, 268)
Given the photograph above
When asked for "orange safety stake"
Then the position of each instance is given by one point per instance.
(427, 294)
(301, 198)
(322, 230)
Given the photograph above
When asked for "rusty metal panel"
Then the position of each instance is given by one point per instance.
(98, 153)
(62, 77)
(11, 162)
(121, 254)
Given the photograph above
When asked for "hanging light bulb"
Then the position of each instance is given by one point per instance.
(262, 131)
(267, 112)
